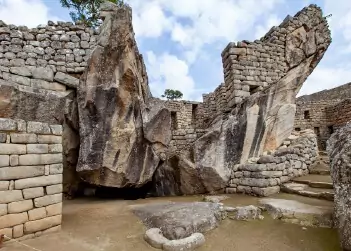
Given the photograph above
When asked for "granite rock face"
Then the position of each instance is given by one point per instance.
(123, 131)
(261, 119)
(180, 220)
(339, 150)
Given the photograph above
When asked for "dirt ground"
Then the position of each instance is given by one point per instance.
(109, 225)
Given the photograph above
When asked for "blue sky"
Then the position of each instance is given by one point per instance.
(182, 40)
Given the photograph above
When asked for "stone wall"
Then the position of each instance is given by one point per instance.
(324, 112)
(248, 67)
(187, 123)
(339, 114)
(30, 178)
(41, 57)
(263, 176)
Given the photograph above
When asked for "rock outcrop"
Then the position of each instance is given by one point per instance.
(123, 131)
(264, 118)
(339, 149)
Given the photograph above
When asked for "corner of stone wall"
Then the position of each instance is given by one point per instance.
(263, 176)
(30, 178)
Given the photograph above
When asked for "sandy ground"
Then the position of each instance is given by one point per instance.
(109, 225)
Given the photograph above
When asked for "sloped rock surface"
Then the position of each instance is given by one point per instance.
(339, 149)
(123, 132)
(180, 220)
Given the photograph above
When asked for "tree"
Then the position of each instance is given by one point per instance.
(86, 11)
(172, 94)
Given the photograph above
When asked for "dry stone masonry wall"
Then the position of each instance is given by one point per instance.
(249, 67)
(47, 57)
(263, 176)
(30, 178)
(324, 112)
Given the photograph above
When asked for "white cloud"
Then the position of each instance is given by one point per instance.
(169, 72)
(325, 78)
(261, 30)
(24, 12)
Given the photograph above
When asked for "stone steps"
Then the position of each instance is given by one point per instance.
(315, 181)
(307, 191)
(296, 212)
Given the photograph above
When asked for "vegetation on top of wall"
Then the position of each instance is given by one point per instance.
(172, 94)
(86, 11)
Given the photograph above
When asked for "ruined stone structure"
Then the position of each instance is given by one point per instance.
(115, 134)
(324, 112)
(30, 178)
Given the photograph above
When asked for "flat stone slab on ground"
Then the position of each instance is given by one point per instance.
(215, 198)
(299, 213)
(307, 191)
(180, 220)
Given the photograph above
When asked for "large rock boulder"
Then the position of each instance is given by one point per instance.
(123, 131)
(180, 220)
(339, 149)
(262, 121)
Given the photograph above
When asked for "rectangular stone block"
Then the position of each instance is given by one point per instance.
(37, 214)
(54, 189)
(4, 185)
(55, 209)
(38, 127)
(24, 138)
(20, 206)
(267, 191)
(3, 209)
(42, 84)
(12, 149)
(3, 137)
(40, 159)
(52, 230)
(20, 172)
(4, 160)
(8, 124)
(38, 181)
(13, 160)
(18, 231)
(56, 129)
(49, 139)
(48, 200)
(34, 192)
(56, 169)
(55, 148)
(11, 220)
(37, 148)
(10, 196)
(43, 224)
(7, 232)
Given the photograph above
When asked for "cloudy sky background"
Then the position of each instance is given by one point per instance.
(182, 40)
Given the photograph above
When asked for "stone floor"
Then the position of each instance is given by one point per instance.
(109, 225)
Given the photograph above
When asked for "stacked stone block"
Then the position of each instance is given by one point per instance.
(43, 57)
(263, 176)
(339, 114)
(30, 178)
(249, 67)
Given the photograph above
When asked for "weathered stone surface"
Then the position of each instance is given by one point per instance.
(155, 238)
(54, 189)
(38, 128)
(39, 225)
(37, 214)
(11, 220)
(20, 172)
(34, 192)
(20, 206)
(18, 231)
(299, 213)
(23, 138)
(4, 161)
(4, 185)
(246, 213)
(37, 148)
(123, 136)
(54, 209)
(180, 220)
(66, 79)
(3, 209)
(339, 151)
(10, 196)
(12, 149)
(48, 200)
(40, 159)
(187, 244)
(43, 73)
(38, 181)
(49, 139)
